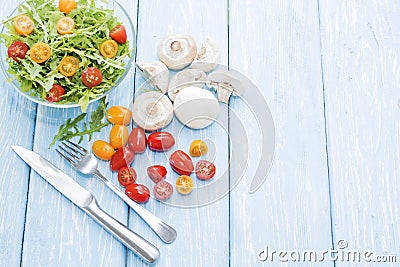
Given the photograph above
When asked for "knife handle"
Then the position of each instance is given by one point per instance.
(130, 239)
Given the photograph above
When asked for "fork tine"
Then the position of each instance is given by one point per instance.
(78, 147)
(66, 157)
(69, 153)
(76, 151)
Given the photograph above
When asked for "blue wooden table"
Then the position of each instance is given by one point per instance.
(330, 73)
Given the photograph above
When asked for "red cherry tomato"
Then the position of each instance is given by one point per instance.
(127, 176)
(138, 192)
(55, 93)
(163, 190)
(156, 173)
(181, 162)
(161, 141)
(91, 77)
(205, 170)
(137, 140)
(121, 158)
(119, 34)
(17, 50)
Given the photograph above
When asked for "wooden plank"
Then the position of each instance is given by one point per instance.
(361, 57)
(276, 43)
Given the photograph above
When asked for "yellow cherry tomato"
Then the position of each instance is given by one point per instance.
(102, 150)
(119, 115)
(184, 184)
(198, 148)
(118, 136)
(23, 25)
(68, 66)
(40, 52)
(66, 6)
(109, 48)
(65, 25)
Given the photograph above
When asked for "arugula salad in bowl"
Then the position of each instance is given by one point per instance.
(67, 53)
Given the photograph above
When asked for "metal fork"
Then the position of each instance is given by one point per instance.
(86, 163)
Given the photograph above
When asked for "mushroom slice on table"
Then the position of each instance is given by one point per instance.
(177, 51)
(184, 79)
(152, 111)
(226, 83)
(208, 56)
(155, 73)
(195, 107)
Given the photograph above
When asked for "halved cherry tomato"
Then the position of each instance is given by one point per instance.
(184, 184)
(119, 34)
(109, 48)
(23, 25)
(40, 52)
(137, 140)
(119, 115)
(161, 141)
(121, 158)
(66, 6)
(127, 176)
(205, 170)
(181, 162)
(163, 190)
(65, 25)
(91, 77)
(55, 93)
(198, 148)
(17, 50)
(138, 192)
(156, 172)
(68, 66)
(118, 136)
(102, 150)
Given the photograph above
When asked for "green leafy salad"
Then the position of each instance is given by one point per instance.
(65, 57)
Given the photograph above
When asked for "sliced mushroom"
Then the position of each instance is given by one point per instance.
(152, 111)
(185, 78)
(196, 107)
(155, 73)
(177, 51)
(208, 56)
(226, 83)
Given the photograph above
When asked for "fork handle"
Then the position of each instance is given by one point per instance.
(161, 228)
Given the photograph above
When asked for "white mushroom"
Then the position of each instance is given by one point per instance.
(177, 51)
(152, 111)
(155, 73)
(185, 78)
(207, 57)
(226, 83)
(195, 107)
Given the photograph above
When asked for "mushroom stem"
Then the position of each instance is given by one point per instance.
(224, 90)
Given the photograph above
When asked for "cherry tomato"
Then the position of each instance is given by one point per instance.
(109, 48)
(66, 6)
(181, 162)
(118, 136)
(184, 184)
(17, 50)
(163, 190)
(23, 25)
(119, 115)
(198, 148)
(138, 192)
(102, 150)
(156, 173)
(55, 94)
(121, 158)
(161, 141)
(91, 77)
(137, 140)
(119, 34)
(68, 66)
(205, 170)
(127, 176)
(40, 52)
(65, 25)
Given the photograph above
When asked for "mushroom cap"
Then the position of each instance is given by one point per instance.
(195, 107)
(177, 51)
(155, 73)
(230, 80)
(208, 56)
(152, 111)
(184, 79)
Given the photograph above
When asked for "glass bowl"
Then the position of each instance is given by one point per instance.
(121, 15)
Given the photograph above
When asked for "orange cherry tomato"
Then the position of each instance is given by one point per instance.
(23, 25)
(68, 66)
(66, 6)
(109, 48)
(119, 115)
(118, 136)
(40, 52)
(198, 148)
(102, 150)
(65, 25)
(184, 184)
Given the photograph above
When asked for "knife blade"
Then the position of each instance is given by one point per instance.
(87, 202)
